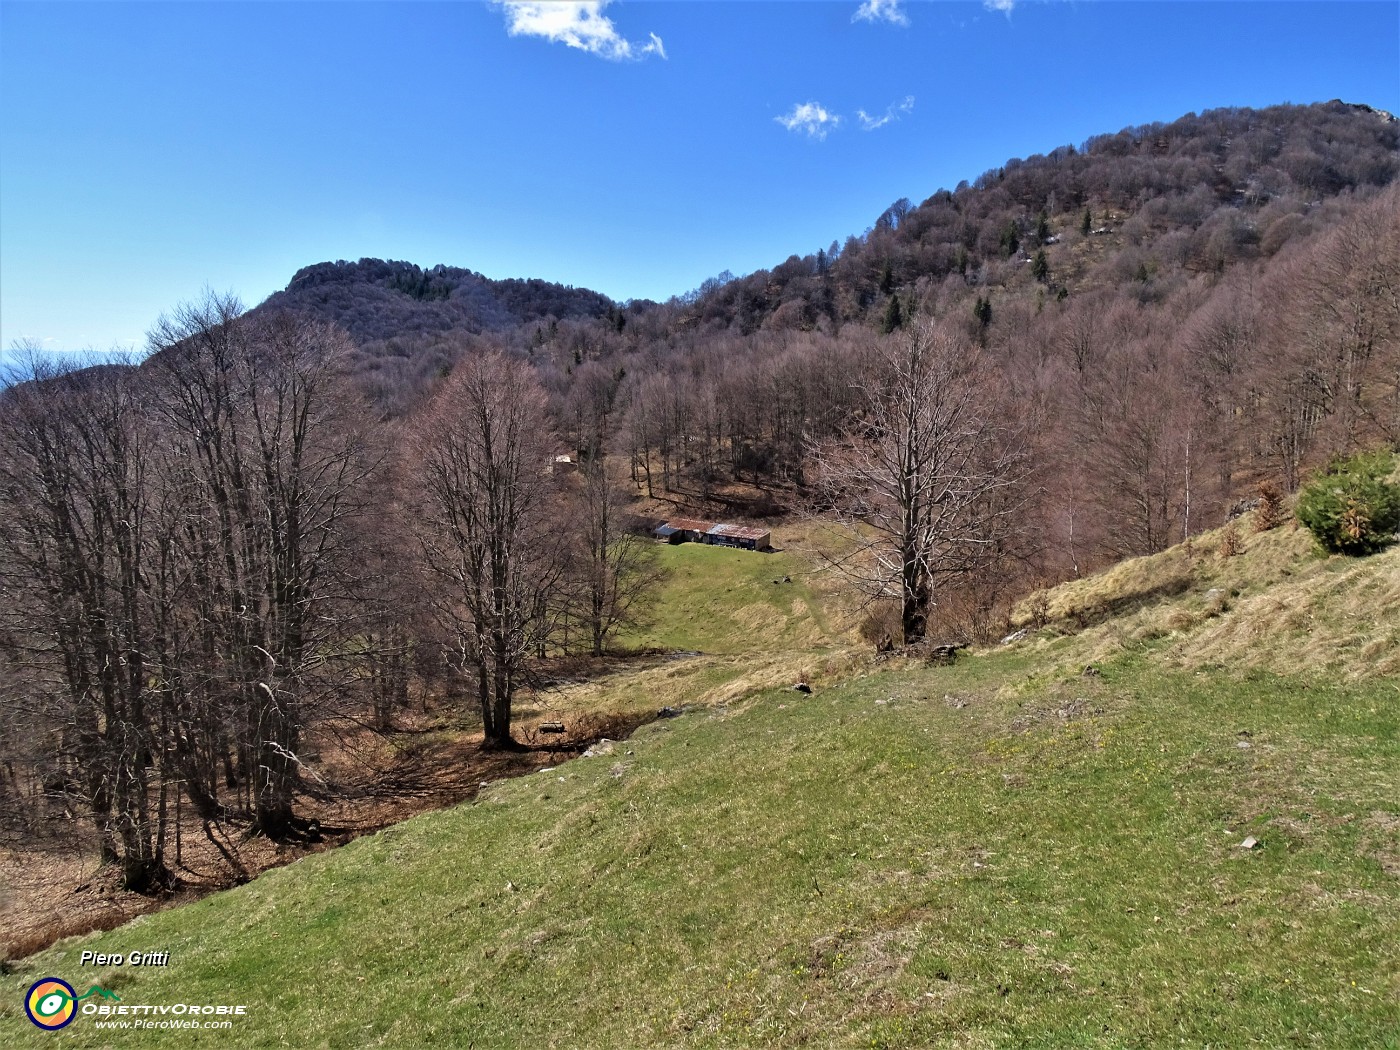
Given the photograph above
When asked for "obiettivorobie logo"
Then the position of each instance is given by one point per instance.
(51, 1004)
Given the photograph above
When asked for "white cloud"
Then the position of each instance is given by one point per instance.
(811, 118)
(892, 113)
(1004, 6)
(882, 11)
(577, 23)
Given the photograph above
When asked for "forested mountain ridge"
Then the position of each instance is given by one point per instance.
(1197, 194)
(1193, 196)
(1134, 216)
(397, 312)
(375, 299)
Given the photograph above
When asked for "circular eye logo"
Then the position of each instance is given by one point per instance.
(51, 1003)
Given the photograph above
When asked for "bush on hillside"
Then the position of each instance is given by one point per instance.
(1351, 507)
(1269, 514)
(882, 626)
(1231, 542)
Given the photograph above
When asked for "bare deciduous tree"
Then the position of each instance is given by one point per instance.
(928, 478)
(485, 527)
(617, 572)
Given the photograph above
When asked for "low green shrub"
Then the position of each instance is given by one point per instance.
(1351, 507)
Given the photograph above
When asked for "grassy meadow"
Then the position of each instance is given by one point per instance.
(741, 622)
(1003, 853)
(727, 601)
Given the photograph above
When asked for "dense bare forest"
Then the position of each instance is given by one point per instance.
(212, 555)
(282, 518)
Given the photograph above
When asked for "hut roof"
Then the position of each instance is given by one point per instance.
(690, 525)
(738, 532)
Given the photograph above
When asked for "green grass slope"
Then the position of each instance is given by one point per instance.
(726, 601)
(1000, 853)
(743, 621)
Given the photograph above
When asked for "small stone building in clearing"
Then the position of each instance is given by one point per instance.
(691, 530)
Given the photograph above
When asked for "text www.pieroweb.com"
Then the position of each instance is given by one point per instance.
(164, 1017)
(144, 1023)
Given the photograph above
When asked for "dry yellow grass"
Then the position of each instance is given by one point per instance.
(1341, 617)
(1277, 605)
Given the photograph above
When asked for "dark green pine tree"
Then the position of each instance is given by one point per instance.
(1087, 223)
(894, 316)
(1010, 238)
(1040, 266)
(1042, 227)
(983, 311)
(886, 279)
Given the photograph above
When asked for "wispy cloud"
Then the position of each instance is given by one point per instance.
(577, 23)
(892, 113)
(809, 118)
(891, 11)
(1004, 6)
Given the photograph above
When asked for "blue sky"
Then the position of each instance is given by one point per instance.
(148, 151)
